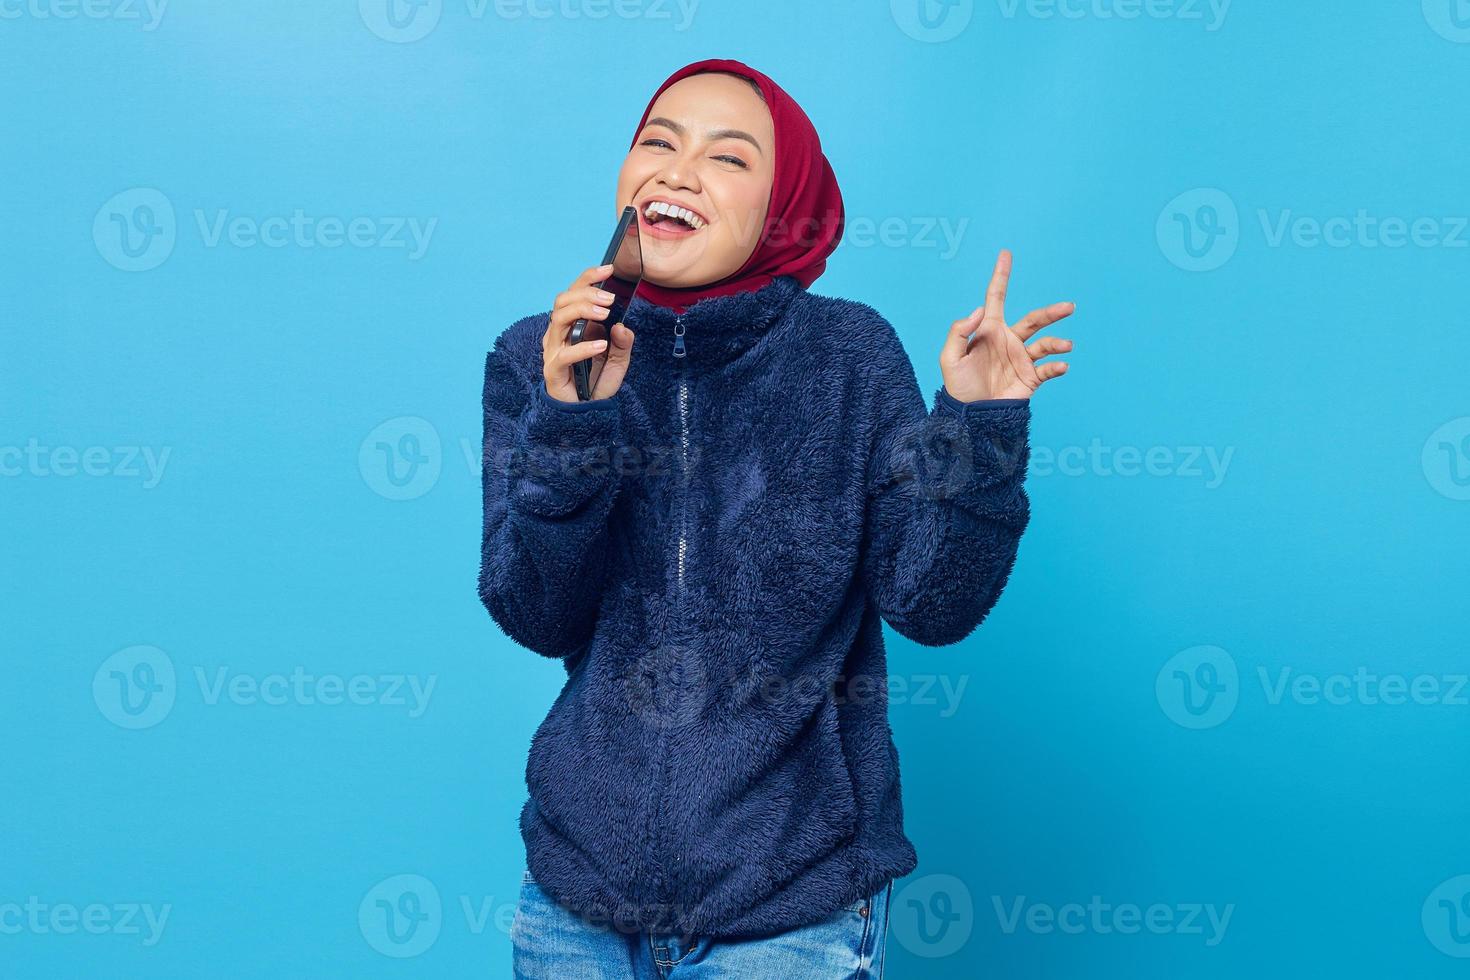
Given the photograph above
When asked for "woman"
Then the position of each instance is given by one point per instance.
(708, 545)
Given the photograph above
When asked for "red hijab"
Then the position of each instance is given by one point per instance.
(805, 218)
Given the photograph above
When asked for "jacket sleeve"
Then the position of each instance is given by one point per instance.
(549, 477)
(946, 502)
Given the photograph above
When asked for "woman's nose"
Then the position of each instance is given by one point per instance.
(681, 173)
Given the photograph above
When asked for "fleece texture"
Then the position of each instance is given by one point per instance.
(708, 553)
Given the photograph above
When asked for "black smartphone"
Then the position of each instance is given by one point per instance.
(626, 255)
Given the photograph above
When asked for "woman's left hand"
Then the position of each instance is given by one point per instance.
(996, 362)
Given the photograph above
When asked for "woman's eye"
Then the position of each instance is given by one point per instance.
(728, 158)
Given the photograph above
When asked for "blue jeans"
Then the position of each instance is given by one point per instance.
(552, 943)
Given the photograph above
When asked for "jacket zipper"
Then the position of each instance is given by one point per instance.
(679, 352)
(664, 888)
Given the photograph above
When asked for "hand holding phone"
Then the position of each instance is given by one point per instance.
(583, 298)
(609, 299)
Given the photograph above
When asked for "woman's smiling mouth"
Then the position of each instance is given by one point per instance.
(664, 219)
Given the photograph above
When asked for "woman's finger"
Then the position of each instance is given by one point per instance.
(1051, 369)
(590, 293)
(580, 310)
(1048, 345)
(580, 287)
(572, 353)
(619, 355)
(592, 275)
(1044, 317)
(995, 295)
(957, 340)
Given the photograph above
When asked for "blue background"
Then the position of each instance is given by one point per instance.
(1094, 749)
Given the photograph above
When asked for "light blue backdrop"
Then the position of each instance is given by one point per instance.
(1216, 726)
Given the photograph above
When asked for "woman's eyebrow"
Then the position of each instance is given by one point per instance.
(714, 134)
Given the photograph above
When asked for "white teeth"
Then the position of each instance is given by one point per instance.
(662, 207)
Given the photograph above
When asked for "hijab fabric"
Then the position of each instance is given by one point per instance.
(805, 217)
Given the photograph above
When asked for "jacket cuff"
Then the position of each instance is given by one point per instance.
(567, 453)
(953, 404)
(595, 405)
(977, 445)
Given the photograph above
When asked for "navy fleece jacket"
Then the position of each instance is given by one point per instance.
(709, 552)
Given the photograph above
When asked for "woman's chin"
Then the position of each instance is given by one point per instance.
(672, 277)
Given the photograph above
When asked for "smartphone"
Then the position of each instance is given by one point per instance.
(626, 255)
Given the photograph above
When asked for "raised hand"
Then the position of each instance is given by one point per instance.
(984, 358)
(581, 299)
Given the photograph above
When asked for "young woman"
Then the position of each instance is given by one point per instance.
(708, 546)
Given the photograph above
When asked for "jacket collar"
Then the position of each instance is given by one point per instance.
(717, 329)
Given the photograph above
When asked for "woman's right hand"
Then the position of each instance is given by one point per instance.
(582, 299)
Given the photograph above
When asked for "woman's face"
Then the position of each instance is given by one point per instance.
(708, 146)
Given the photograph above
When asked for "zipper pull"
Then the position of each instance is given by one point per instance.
(679, 335)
